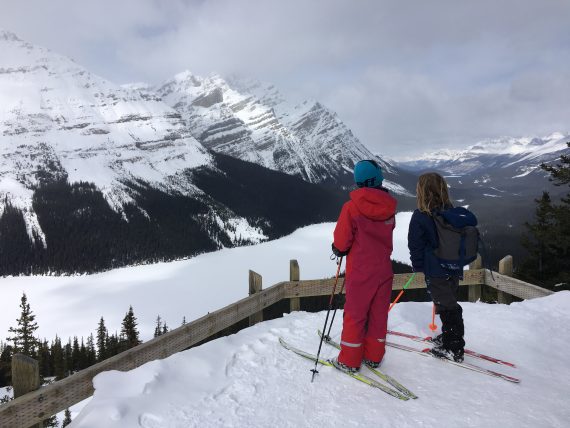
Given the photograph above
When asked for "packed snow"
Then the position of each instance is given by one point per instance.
(248, 379)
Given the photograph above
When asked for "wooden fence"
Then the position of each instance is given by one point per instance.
(32, 407)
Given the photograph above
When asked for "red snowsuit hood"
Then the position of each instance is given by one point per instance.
(373, 203)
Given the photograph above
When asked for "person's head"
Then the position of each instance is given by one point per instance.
(432, 192)
(367, 173)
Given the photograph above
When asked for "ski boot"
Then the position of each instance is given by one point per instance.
(371, 364)
(437, 340)
(343, 367)
(448, 354)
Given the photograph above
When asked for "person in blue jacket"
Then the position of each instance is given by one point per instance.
(442, 283)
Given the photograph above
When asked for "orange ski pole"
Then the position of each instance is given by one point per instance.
(433, 326)
(401, 292)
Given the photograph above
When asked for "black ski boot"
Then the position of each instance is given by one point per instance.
(448, 354)
(437, 340)
(371, 364)
(452, 343)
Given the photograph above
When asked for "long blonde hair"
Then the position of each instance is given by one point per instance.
(432, 192)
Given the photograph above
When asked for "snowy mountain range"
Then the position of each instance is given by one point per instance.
(517, 156)
(183, 167)
(77, 150)
(499, 180)
(498, 168)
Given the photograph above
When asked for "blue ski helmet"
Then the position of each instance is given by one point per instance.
(367, 173)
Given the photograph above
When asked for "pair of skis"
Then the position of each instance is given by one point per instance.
(358, 376)
(468, 352)
(398, 390)
(466, 365)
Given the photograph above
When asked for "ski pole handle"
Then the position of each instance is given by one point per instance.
(401, 292)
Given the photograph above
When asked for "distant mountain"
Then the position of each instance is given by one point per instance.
(517, 156)
(497, 168)
(499, 179)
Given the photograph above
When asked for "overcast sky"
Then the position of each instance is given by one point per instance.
(407, 76)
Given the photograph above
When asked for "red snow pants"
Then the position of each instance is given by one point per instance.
(365, 321)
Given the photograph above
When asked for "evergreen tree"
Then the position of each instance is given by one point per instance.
(58, 359)
(102, 339)
(541, 233)
(158, 327)
(82, 361)
(68, 358)
(5, 364)
(23, 339)
(560, 173)
(67, 418)
(44, 359)
(548, 238)
(91, 351)
(75, 356)
(164, 328)
(50, 422)
(113, 345)
(129, 332)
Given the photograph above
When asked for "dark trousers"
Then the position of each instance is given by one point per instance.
(443, 292)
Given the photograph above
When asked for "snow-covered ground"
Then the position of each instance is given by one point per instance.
(249, 380)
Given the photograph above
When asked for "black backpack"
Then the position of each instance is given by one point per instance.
(458, 237)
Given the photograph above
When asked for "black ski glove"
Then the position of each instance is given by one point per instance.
(339, 253)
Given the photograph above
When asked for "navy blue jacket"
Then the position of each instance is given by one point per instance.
(422, 239)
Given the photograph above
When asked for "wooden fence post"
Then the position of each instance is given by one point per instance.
(294, 275)
(25, 376)
(475, 291)
(505, 268)
(255, 286)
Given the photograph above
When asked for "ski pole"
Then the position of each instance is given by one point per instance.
(328, 335)
(315, 371)
(401, 292)
(433, 326)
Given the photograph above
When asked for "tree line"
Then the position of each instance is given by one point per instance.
(547, 238)
(57, 359)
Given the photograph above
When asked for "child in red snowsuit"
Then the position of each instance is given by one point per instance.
(364, 233)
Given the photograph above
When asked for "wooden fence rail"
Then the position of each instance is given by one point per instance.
(35, 406)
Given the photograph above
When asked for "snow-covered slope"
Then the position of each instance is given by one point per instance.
(255, 122)
(58, 120)
(248, 379)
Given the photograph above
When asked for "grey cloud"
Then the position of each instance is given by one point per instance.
(404, 75)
